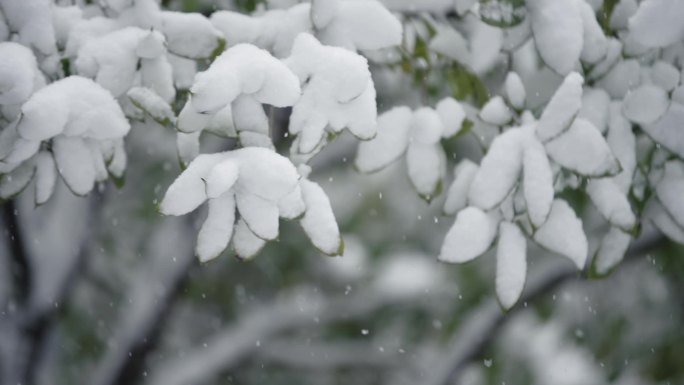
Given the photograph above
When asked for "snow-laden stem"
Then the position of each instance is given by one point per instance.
(479, 330)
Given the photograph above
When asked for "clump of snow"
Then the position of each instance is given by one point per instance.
(337, 92)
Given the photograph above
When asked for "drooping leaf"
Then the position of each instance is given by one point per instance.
(562, 233)
(471, 235)
(511, 264)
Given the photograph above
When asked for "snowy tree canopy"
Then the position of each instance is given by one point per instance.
(527, 125)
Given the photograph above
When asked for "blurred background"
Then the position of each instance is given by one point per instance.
(121, 299)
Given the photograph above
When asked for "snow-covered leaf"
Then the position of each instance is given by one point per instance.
(558, 32)
(245, 242)
(662, 219)
(670, 191)
(450, 43)
(261, 215)
(595, 44)
(188, 191)
(190, 35)
(152, 104)
(622, 143)
(362, 25)
(537, 182)
(595, 103)
(452, 114)
(511, 264)
(562, 108)
(217, 229)
(74, 106)
(337, 92)
(471, 235)
(74, 163)
(390, 142)
(221, 178)
(46, 177)
(499, 171)
(426, 165)
(583, 149)
(611, 251)
(515, 91)
(562, 233)
(667, 130)
(318, 221)
(13, 183)
(665, 75)
(657, 23)
(457, 194)
(188, 147)
(611, 203)
(292, 205)
(496, 112)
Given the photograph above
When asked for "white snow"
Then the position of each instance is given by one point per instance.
(217, 229)
(337, 93)
(612, 250)
(457, 194)
(622, 143)
(470, 236)
(558, 32)
(496, 112)
(452, 115)
(583, 150)
(562, 108)
(657, 214)
(611, 203)
(190, 35)
(221, 178)
(13, 183)
(46, 177)
(657, 23)
(245, 243)
(74, 106)
(595, 102)
(74, 163)
(595, 44)
(670, 191)
(152, 104)
(261, 215)
(622, 77)
(499, 171)
(511, 264)
(667, 130)
(426, 166)
(188, 191)
(515, 91)
(537, 181)
(390, 142)
(665, 75)
(318, 221)
(562, 233)
(32, 22)
(450, 43)
(19, 74)
(645, 104)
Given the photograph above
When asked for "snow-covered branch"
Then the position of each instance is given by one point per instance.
(482, 325)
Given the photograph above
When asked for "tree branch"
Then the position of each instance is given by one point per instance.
(482, 326)
(152, 294)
